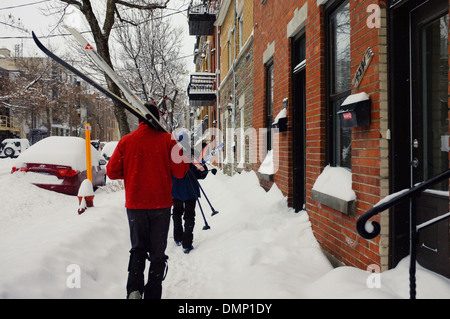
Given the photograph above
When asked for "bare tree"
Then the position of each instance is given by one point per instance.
(31, 92)
(151, 57)
(42, 93)
(102, 31)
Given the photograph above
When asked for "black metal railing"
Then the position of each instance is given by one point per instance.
(203, 7)
(372, 230)
(201, 16)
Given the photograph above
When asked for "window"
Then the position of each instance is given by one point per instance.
(230, 60)
(269, 103)
(339, 83)
(299, 53)
(241, 32)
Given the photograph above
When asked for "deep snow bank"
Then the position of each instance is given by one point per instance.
(257, 247)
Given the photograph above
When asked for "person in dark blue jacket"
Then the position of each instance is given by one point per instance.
(185, 192)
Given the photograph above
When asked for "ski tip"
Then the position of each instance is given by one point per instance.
(36, 40)
(70, 29)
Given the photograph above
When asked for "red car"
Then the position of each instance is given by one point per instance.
(58, 163)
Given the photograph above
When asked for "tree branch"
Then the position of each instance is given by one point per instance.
(150, 6)
(33, 82)
(124, 20)
(109, 17)
(73, 2)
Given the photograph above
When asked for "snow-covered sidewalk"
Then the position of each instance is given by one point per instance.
(257, 247)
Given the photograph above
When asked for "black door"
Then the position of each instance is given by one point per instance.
(430, 127)
(298, 123)
(420, 127)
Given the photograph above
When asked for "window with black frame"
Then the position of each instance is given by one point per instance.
(339, 83)
(269, 103)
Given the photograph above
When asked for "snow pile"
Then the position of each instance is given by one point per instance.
(337, 182)
(108, 149)
(257, 247)
(86, 188)
(267, 166)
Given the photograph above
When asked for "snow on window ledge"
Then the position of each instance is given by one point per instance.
(281, 115)
(267, 165)
(333, 188)
(266, 171)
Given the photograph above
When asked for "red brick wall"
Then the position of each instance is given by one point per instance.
(335, 231)
(366, 143)
(270, 20)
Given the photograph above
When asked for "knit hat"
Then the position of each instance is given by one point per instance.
(153, 109)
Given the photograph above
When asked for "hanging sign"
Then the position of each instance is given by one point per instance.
(362, 68)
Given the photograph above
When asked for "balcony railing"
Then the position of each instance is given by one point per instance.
(201, 16)
(9, 124)
(202, 89)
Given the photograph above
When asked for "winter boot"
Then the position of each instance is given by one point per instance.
(156, 275)
(134, 295)
(136, 267)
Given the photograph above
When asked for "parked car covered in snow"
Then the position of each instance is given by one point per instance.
(58, 163)
(108, 149)
(13, 147)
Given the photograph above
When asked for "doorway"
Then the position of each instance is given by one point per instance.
(420, 126)
(298, 121)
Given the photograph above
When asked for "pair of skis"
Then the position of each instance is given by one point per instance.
(132, 98)
(135, 106)
(132, 103)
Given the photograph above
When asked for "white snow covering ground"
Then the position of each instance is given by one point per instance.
(257, 247)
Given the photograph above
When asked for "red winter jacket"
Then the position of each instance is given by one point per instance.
(143, 159)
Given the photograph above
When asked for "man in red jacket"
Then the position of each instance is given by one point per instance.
(146, 159)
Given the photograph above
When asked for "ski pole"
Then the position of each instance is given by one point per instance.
(213, 171)
(214, 212)
(206, 227)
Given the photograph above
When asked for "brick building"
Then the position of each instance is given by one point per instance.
(203, 85)
(316, 54)
(235, 23)
(363, 87)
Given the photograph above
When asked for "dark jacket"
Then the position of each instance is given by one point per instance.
(187, 187)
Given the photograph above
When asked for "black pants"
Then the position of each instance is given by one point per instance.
(148, 233)
(186, 208)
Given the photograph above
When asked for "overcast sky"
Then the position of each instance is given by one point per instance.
(27, 16)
